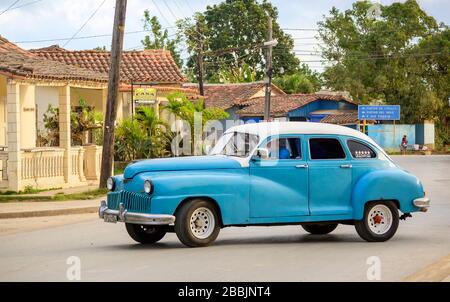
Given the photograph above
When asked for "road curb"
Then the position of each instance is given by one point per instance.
(43, 213)
(436, 272)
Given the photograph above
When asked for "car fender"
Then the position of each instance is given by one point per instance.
(229, 188)
(387, 184)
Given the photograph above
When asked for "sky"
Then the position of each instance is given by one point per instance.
(28, 22)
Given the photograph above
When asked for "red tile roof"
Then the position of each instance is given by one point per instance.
(225, 96)
(341, 118)
(152, 65)
(281, 105)
(19, 62)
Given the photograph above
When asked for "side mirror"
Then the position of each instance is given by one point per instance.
(261, 153)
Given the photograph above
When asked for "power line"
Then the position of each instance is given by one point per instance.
(84, 24)
(179, 8)
(170, 10)
(25, 4)
(9, 7)
(84, 37)
(378, 57)
(160, 12)
(189, 6)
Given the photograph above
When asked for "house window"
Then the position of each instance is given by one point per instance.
(360, 150)
(325, 148)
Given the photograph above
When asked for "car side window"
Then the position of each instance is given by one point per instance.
(360, 150)
(284, 148)
(325, 148)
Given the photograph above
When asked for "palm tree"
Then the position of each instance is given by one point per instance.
(186, 110)
(156, 130)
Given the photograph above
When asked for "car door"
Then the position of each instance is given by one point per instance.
(330, 176)
(279, 184)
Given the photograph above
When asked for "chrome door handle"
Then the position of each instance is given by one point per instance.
(346, 166)
(302, 166)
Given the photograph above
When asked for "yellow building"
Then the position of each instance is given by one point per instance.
(153, 68)
(27, 85)
(32, 80)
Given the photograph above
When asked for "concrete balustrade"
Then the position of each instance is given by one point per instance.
(93, 159)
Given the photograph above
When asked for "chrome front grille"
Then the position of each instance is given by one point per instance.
(133, 202)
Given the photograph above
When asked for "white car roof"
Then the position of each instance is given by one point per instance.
(265, 129)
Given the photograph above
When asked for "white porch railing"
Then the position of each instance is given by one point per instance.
(77, 162)
(42, 163)
(4, 167)
(92, 162)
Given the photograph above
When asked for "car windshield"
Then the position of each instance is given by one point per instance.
(235, 144)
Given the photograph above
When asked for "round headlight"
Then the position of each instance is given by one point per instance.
(110, 184)
(148, 186)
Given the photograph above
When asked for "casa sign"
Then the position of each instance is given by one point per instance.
(144, 95)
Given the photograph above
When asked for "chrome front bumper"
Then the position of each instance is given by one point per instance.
(423, 203)
(122, 215)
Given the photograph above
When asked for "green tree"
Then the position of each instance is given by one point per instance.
(302, 81)
(145, 136)
(130, 141)
(241, 74)
(157, 131)
(159, 38)
(369, 55)
(188, 111)
(400, 56)
(83, 119)
(233, 32)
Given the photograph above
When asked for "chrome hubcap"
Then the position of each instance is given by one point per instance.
(379, 219)
(202, 223)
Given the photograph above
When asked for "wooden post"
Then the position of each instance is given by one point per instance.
(200, 61)
(268, 72)
(113, 87)
(364, 126)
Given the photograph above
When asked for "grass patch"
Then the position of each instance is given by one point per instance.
(28, 190)
(15, 198)
(92, 194)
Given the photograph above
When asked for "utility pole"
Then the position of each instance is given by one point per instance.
(113, 87)
(200, 60)
(269, 44)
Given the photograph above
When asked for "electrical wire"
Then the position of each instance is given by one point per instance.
(86, 22)
(160, 12)
(84, 37)
(25, 4)
(9, 7)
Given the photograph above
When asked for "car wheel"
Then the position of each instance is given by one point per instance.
(380, 221)
(145, 234)
(197, 223)
(320, 229)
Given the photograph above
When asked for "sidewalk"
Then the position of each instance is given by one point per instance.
(436, 272)
(48, 208)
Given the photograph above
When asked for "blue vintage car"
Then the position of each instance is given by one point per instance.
(310, 174)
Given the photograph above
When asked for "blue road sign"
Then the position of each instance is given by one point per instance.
(379, 112)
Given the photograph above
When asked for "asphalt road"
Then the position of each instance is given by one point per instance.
(285, 253)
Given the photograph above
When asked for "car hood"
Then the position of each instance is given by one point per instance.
(180, 164)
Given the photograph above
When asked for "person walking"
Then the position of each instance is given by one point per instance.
(403, 145)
